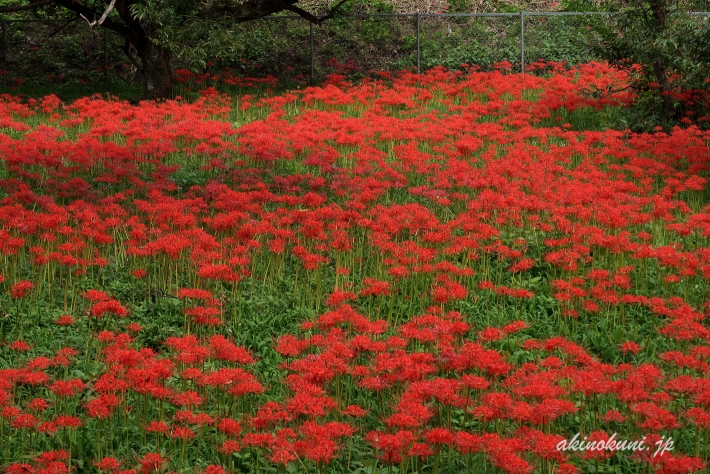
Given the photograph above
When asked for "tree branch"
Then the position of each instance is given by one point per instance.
(255, 9)
(103, 17)
(29, 6)
(303, 13)
(316, 19)
(127, 50)
(79, 9)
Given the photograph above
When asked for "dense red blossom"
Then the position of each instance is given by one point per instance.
(353, 270)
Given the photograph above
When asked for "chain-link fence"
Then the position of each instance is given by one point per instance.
(28, 48)
(50, 53)
(274, 46)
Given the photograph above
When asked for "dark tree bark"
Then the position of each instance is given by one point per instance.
(660, 10)
(156, 69)
(661, 72)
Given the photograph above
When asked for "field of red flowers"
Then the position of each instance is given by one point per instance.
(446, 273)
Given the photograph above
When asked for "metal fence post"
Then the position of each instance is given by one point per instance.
(313, 56)
(419, 46)
(106, 85)
(4, 54)
(522, 42)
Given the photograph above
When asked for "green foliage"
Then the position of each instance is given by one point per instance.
(372, 7)
(505, 7)
(458, 6)
(563, 38)
(579, 6)
(672, 49)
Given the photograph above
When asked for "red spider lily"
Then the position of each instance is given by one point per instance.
(218, 272)
(51, 456)
(19, 469)
(510, 462)
(109, 383)
(152, 462)
(289, 346)
(139, 273)
(630, 347)
(320, 450)
(96, 296)
(541, 444)
(270, 413)
(226, 378)
(47, 427)
(34, 378)
(110, 306)
(490, 334)
(106, 336)
(10, 412)
(108, 464)
(157, 427)
(229, 427)
(430, 328)
(522, 265)
(195, 293)
(190, 352)
(65, 320)
(374, 287)
(474, 382)
(669, 464)
(102, 407)
(24, 421)
(65, 421)
(208, 316)
(230, 447)
(188, 399)
(354, 410)
(214, 469)
(439, 436)
(20, 346)
(21, 289)
(401, 420)
(613, 416)
(40, 363)
(598, 438)
(310, 405)
(514, 327)
(283, 456)
(338, 297)
(262, 440)
(452, 291)
(228, 351)
(38, 404)
(656, 418)
(182, 433)
(391, 447)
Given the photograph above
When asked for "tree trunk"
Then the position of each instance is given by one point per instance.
(660, 10)
(155, 66)
(661, 72)
(156, 70)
